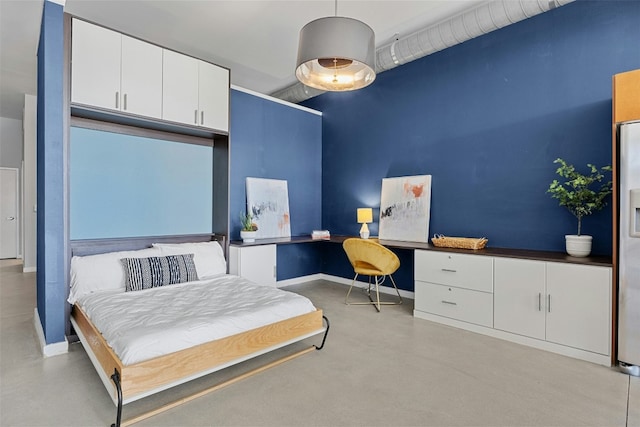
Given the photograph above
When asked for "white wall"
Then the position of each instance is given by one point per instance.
(10, 143)
(29, 184)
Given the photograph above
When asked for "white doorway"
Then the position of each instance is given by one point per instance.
(8, 213)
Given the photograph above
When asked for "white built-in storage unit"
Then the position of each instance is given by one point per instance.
(555, 306)
(194, 92)
(256, 263)
(114, 72)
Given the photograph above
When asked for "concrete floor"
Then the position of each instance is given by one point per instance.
(377, 369)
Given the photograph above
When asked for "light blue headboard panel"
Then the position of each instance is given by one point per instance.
(129, 186)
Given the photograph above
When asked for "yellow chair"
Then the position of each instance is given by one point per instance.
(371, 259)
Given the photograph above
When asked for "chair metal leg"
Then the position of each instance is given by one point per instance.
(397, 291)
(377, 304)
(346, 300)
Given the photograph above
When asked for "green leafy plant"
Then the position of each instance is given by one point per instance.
(246, 221)
(576, 192)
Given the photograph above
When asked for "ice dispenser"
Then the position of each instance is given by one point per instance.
(634, 226)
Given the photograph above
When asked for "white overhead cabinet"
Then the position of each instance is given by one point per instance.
(195, 92)
(118, 73)
(115, 72)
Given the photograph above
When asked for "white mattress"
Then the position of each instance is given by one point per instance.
(145, 324)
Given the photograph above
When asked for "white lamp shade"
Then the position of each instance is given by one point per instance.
(336, 54)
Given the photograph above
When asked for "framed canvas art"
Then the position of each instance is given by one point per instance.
(268, 203)
(405, 208)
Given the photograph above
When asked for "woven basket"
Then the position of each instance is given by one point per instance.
(458, 242)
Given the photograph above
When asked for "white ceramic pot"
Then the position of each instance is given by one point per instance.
(248, 236)
(578, 246)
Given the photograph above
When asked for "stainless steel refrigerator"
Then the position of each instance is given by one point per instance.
(629, 250)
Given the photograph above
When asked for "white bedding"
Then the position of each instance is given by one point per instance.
(145, 324)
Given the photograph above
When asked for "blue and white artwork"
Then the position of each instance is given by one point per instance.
(268, 203)
(405, 208)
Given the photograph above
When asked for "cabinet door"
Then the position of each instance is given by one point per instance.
(179, 88)
(141, 84)
(95, 65)
(579, 306)
(519, 296)
(255, 263)
(213, 96)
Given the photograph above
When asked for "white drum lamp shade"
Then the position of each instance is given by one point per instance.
(336, 54)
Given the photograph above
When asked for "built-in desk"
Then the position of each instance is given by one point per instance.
(548, 300)
(604, 261)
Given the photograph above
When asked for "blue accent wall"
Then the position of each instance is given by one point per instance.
(275, 141)
(51, 170)
(486, 119)
(129, 186)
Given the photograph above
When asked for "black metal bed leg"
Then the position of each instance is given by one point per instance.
(326, 332)
(116, 379)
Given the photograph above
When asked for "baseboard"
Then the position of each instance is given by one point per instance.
(298, 280)
(28, 269)
(342, 281)
(48, 350)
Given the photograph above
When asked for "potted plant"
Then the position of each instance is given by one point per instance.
(578, 195)
(249, 228)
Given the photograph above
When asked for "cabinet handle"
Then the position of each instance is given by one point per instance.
(117, 98)
(275, 273)
(449, 270)
(449, 302)
(124, 104)
(195, 116)
(539, 301)
(201, 117)
(549, 303)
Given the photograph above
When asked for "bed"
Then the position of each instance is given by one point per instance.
(155, 313)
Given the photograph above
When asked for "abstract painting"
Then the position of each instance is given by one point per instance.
(405, 208)
(268, 203)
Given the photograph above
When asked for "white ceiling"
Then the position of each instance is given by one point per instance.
(256, 39)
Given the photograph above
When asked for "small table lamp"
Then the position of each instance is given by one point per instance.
(365, 215)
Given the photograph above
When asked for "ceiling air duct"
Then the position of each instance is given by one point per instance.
(464, 26)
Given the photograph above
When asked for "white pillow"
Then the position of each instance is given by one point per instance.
(102, 272)
(208, 256)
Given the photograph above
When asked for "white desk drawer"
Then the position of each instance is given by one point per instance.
(459, 270)
(461, 304)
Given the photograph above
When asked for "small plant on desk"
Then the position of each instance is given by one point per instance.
(249, 228)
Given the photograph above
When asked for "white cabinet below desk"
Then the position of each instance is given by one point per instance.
(255, 263)
(555, 306)
(566, 304)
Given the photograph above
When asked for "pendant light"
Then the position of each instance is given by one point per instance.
(336, 54)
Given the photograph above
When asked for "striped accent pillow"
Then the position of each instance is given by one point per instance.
(146, 273)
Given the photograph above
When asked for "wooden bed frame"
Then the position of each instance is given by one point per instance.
(127, 383)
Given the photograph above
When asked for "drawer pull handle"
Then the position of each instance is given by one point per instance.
(449, 270)
(449, 302)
